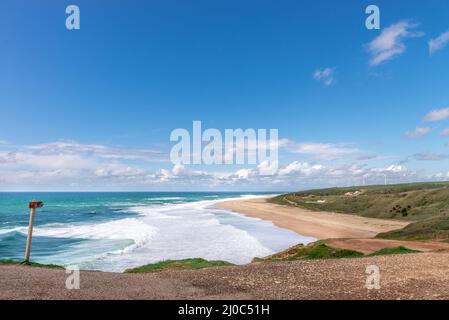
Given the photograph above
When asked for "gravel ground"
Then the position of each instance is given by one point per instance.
(411, 276)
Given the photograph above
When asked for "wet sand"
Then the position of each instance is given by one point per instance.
(320, 225)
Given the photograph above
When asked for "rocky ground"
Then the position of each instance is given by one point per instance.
(410, 276)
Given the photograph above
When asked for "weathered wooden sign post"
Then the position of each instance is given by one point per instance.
(33, 206)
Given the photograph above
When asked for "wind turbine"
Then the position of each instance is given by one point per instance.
(364, 181)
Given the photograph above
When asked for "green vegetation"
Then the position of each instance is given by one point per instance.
(317, 250)
(396, 250)
(9, 261)
(429, 229)
(314, 251)
(186, 264)
(31, 264)
(426, 204)
(417, 201)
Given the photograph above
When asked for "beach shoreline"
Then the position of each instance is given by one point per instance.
(319, 225)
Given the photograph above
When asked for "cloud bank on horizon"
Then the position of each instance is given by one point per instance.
(69, 165)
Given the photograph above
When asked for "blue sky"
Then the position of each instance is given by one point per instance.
(93, 109)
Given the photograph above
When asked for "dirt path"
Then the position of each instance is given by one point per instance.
(320, 225)
(410, 276)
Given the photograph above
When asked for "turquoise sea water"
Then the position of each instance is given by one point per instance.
(116, 231)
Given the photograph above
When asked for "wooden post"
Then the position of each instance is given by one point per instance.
(33, 205)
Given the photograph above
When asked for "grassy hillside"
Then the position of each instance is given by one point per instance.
(319, 250)
(418, 201)
(314, 251)
(30, 264)
(428, 229)
(425, 204)
(186, 264)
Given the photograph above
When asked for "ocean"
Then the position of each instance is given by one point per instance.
(116, 231)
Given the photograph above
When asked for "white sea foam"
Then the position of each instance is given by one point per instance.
(124, 229)
(166, 198)
(171, 231)
(152, 211)
(5, 231)
(197, 229)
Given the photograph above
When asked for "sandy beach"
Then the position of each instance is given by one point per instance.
(343, 231)
(320, 225)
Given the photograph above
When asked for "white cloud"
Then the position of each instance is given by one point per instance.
(437, 115)
(117, 170)
(72, 147)
(251, 147)
(324, 151)
(428, 156)
(396, 168)
(45, 161)
(445, 132)
(325, 76)
(366, 157)
(390, 43)
(417, 133)
(60, 168)
(268, 167)
(181, 174)
(302, 168)
(294, 174)
(8, 157)
(244, 173)
(438, 43)
(68, 162)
